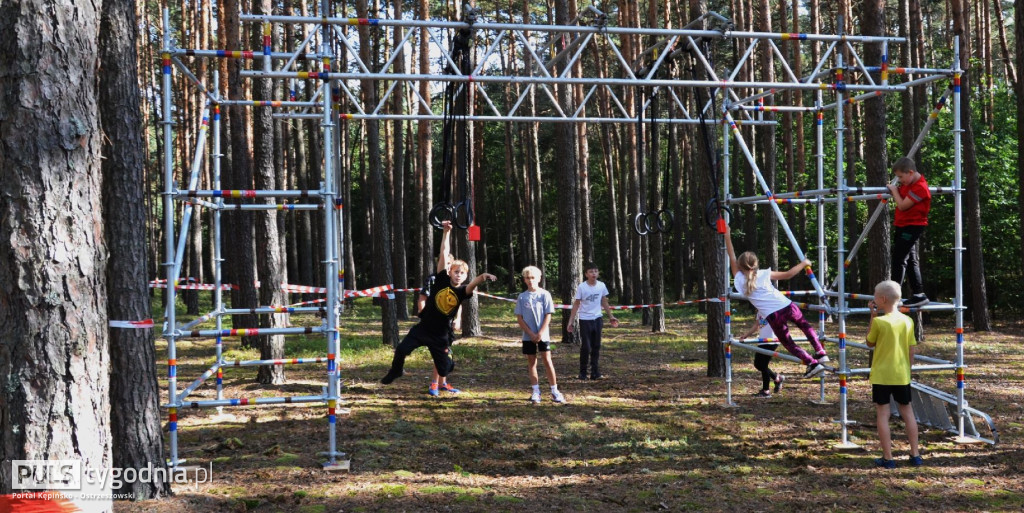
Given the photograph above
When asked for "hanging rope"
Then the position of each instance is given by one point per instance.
(455, 129)
(714, 208)
(647, 221)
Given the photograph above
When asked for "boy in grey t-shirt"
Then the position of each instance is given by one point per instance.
(533, 312)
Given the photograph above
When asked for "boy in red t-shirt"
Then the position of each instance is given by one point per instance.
(913, 200)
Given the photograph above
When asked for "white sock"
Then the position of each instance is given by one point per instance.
(536, 388)
(554, 388)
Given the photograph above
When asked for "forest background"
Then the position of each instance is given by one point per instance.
(552, 195)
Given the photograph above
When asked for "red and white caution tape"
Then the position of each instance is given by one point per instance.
(623, 307)
(303, 289)
(148, 323)
(373, 291)
(162, 284)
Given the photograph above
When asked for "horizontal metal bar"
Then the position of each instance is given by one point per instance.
(501, 79)
(217, 403)
(271, 310)
(252, 332)
(279, 361)
(913, 368)
(478, 26)
(227, 193)
(241, 54)
(272, 206)
(520, 119)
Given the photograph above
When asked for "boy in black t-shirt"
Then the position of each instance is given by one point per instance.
(433, 330)
(439, 383)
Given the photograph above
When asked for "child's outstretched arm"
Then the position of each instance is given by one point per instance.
(446, 245)
(732, 252)
(793, 271)
(478, 280)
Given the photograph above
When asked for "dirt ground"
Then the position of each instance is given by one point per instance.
(654, 435)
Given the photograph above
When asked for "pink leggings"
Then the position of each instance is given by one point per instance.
(779, 321)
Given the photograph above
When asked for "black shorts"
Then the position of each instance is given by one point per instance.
(880, 393)
(531, 347)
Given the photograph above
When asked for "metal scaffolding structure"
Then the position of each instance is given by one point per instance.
(327, 65)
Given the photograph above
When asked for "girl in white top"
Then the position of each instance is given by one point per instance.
(777, 309)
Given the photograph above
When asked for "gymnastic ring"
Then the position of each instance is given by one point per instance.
(440, 213)
(640, 225)
(460, 221)
(663, 226)
(650, 221)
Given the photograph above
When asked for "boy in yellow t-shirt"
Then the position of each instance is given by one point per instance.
(891, 335)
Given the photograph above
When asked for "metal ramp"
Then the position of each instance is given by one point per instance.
(931, 409)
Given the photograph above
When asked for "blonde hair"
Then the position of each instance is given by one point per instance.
(890, 290)
(748, 265)
(532, 271)
(461, 264)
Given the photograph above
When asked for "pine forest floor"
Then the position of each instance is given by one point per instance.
(654, 435)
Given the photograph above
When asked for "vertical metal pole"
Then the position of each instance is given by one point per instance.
(958, 236)
(819, 129)
(727, 268)
(218, 258)
(330, 259)
(841, 252)
(339, 200)
(170, 327)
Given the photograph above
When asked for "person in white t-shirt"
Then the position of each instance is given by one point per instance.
(591, 297)
(777, 309)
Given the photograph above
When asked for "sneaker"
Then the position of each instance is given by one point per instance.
(779, 378)
(814, 369)
(390, 377)
(763, 393)
(535, 398)
(582, 376)
(916, 300)
(597, 375)
(884, 463)
(557, 397)
(916, 461)
(450, 388)
(823, 358)
(432, 390)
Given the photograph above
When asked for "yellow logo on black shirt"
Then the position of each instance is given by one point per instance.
(446, 301)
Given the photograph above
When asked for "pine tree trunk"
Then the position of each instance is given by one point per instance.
(767, 145)
(239, 250)
(566, 163)
(54, 361)
(381, 267)
(424, 157)
(876, 159)
(135, 422)
(1010, 69)
(398, 163)
(270, 266)
(712, 253)
(1018, 37)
